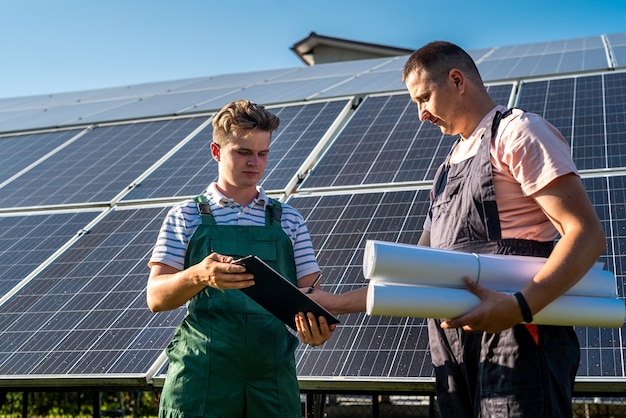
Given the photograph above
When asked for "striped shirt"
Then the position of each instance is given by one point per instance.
(183, 219)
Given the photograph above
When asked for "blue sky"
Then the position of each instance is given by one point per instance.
(52, 46)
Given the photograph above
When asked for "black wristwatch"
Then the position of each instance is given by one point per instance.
(526, 313)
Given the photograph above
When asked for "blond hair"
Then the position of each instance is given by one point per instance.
(239, 118)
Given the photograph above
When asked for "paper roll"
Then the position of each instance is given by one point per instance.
(404, 263)
(386, 299)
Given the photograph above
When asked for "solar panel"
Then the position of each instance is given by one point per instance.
(544, 58)
(19, 152)
(27, 240)
(191, 169)
(236, 80)
(168, 104)
(334, 69)
(61, 115)
(364, 346)
(384, 142)
(589, 112)
(617, 44)
(98, 166)
(372, 82)
(86, 314)
(275, 92)
(602, 348)
(615, 110)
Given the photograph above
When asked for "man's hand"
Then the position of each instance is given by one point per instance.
(310, 332)
(219, 272)
(497, 311)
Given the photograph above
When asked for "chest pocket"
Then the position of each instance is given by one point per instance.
(266, 250)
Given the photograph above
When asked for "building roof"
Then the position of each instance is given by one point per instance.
(319, 49)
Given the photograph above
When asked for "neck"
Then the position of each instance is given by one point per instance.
(477, 112)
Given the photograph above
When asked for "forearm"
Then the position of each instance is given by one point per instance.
(169, 290)
(349, 302)
(566, 204)
(572, 257)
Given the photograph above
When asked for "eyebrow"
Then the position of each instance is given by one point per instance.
(250, 149)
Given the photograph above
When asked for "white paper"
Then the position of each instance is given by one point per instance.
(386, 299)
(404, 263)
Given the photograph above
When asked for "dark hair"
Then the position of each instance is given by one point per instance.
(437, 59)
(239, 118)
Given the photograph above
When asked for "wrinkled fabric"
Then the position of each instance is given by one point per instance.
(508, 374)
(230, 357)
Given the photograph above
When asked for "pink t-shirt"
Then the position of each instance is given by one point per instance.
(527, 154)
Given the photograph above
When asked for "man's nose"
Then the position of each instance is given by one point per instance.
(422, 114)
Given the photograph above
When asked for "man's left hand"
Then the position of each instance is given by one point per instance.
(497, 311)
(310, 332)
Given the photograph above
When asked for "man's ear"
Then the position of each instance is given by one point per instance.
(215, 151)
(457, 78)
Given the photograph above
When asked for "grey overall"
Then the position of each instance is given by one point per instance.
(524, 371)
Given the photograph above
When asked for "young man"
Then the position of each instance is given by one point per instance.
(230, 357)
(509, 186)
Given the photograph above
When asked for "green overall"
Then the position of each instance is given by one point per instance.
(230, 357)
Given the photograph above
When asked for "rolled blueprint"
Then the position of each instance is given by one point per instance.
(388, 299)
(403, 263)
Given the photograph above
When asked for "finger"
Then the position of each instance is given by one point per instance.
(457, 322)
(303, 326)
(226, 258)
(231, 268)
(323, 324)
(313, 325)
(325, 329)
(474, 287)
(232, 281)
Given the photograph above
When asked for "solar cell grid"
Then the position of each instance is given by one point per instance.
(86, 313)
(601, 348)
(188, 171)
(341, 224)
(18, 152)
(588, 111)
(588, 143)
(26, 241)
(363, 346)
(519, 61)
(615, 105)
(384, 142)
(554, 100)
(98, 166)
(275, 92)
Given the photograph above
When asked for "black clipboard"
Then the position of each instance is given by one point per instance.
(278, 295)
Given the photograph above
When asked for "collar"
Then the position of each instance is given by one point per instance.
(216, 197)
(484, 125)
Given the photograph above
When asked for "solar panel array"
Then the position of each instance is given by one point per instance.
(84, 189)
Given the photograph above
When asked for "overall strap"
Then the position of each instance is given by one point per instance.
(496, 121)
(204, 209)
(274, 213)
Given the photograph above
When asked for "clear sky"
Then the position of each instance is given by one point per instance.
(52, 46)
